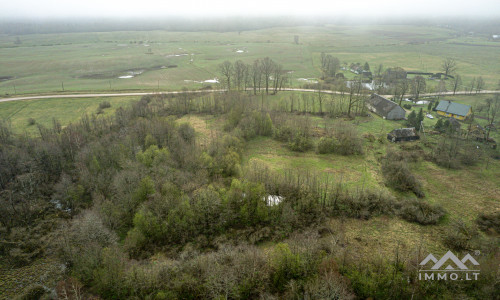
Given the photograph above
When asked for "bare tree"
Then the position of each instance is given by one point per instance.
(449, 66)
(418, 86)
(226, 69)
(479, 84)
(354, 92)
(240, 68)
(404, 86)
(267, 66)
(296, 39)
(492, 110)
(456, 83)
(256, 76)
(472, 85)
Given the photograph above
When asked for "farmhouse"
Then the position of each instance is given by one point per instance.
(385, 108)
(403, 134)
(458, 111)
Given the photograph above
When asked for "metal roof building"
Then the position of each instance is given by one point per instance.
(452, 109)
(385, 108)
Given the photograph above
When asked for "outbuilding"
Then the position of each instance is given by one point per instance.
(403, 135)
(385, 108)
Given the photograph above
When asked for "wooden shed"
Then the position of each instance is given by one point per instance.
(403, 134)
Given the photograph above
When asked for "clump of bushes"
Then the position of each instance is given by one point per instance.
(104, 105)
(420, 212)
(326, 145)
(453, 153)
(295, 133)
(32, 292)
(398, 175)
(489, 222)
(349, 141)
(31, 122)
(364, 205)
(460, 236)
(300, 143)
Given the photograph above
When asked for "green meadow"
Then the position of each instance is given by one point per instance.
(77, 62)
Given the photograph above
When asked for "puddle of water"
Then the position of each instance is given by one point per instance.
(204, 81)
(240, 51)
(177, 55)
(126, 76)
(310, 80)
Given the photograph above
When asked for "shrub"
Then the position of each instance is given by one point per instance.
(104, 105)
(417, 211)
(187, 132)
(300, 143)
(349, 141)
(398, 175)
(326, 145)
(489, 222)
(407, 106)
(460, 236)
(31, 122)
(283, 133)
(365, 204)
(285, 266)
(32, 292)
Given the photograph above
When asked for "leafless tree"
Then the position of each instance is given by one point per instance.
(256, 76)
(267, 66)
(449, 66)
(479, 84)
(472, 85)
(456, 83)
(354, 94)
(492, 110)
(226, 69)
(418, 86)
(240, 68)
(404, 86)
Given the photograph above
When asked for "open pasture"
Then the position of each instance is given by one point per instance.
(150, 60)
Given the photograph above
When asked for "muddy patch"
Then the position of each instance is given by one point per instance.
(6, 78)
(215, 80)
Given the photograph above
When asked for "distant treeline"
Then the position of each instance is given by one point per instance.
(236, 23)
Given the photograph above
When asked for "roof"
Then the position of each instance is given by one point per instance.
(382, 105)
(453, 108)
(404, 132)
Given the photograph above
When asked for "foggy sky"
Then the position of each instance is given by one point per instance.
(47, 9)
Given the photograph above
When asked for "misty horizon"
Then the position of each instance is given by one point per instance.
(359, 9)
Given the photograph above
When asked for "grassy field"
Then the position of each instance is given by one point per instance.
(43, 111)
(94, 61)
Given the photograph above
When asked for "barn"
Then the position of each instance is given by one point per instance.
(403, 134)
(385, 108)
